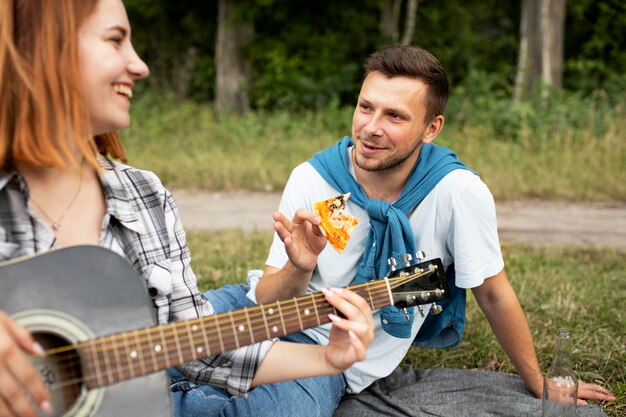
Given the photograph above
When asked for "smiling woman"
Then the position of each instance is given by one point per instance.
(71, 67)
(110, 66)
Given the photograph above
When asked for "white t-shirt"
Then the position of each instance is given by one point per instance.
(455, 222)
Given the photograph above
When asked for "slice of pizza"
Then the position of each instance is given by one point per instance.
(336, 224)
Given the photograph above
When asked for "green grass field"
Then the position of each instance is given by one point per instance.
(558, 287)
(573, 154)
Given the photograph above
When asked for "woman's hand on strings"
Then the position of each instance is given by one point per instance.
(19, 381)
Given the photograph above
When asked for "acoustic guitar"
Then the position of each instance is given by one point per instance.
(105, 357)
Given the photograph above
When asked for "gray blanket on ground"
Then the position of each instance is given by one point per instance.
(447, 393)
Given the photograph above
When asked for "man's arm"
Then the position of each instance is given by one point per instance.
(348, 342)
(278, 284)
(506, 317)
(304, 242)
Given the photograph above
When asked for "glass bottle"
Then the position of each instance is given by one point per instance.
(560, 385)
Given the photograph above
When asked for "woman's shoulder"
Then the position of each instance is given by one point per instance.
(131, 180)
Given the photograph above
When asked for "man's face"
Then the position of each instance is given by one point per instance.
(388, 125)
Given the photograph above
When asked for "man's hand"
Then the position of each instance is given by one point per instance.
(303, 239)
(589, 391)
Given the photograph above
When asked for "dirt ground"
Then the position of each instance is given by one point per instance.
(530, 221)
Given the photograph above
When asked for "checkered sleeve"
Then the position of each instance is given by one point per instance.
(232, 370)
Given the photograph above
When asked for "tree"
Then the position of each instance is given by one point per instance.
(540, 57)
(390, 20)
(232, 68)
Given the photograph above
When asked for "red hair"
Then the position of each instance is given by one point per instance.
(43, 121)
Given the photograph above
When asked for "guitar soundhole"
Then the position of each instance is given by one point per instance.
(60, 370)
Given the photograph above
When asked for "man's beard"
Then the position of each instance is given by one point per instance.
(392, 164)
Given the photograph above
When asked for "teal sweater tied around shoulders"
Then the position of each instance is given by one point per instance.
(391, 236)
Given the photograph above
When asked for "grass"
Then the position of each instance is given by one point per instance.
(572, 151)
(558, 287)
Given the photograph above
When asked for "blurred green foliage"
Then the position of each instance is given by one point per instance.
(308, 54)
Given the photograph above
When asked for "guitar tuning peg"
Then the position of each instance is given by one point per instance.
(392, 263)
(406, 314)
(407, 258)
(421, 310)
(435, 309)
(420, 255)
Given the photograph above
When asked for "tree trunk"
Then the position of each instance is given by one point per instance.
(553, 28)
(409, 23)
(232, 67)
(181, 81)
(390, 20)
(541, 46)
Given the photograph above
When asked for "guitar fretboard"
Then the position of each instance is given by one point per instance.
(115, 358)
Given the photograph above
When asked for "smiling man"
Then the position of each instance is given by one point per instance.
(409, 195)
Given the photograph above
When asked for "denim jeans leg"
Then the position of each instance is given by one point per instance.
(315, 397)
(195, 400)
(229, 297)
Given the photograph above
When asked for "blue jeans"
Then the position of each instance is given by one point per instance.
(311, 396)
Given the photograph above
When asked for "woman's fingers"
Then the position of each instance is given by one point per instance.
(356, 310)
(19, 379)
(352, 305)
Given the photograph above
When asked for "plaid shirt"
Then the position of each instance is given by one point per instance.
(142, 224)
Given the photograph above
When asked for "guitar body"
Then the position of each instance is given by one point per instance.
(77, 294)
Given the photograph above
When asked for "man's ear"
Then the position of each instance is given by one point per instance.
(433, 129)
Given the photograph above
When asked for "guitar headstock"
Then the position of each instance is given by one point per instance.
(422, 282)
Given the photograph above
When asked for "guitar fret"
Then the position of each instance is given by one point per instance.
(280, 314)
(163, 349)
(206, 340)
(295, 301)
(267, 327)
(274, 320)
(319, 323)
(152, 349)
(97, 367)
(252, 339)
(369, 294)
(140, 355)
(181, 358)
(129, 365)
(219, 332)
(232, 322)
(107, 363)
(192, 345)
(116, 356)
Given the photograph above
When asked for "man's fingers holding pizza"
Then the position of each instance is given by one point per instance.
(300, 218)
(303, 215)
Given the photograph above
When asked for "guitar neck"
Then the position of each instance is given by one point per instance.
(123, 356)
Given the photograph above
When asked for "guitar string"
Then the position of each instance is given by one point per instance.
(170, 354)
(121, 373)
(110, 345)
(289, 316)
(110, 342)
(120, 376)
(226, 315)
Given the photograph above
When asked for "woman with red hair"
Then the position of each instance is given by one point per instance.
(68, 69)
